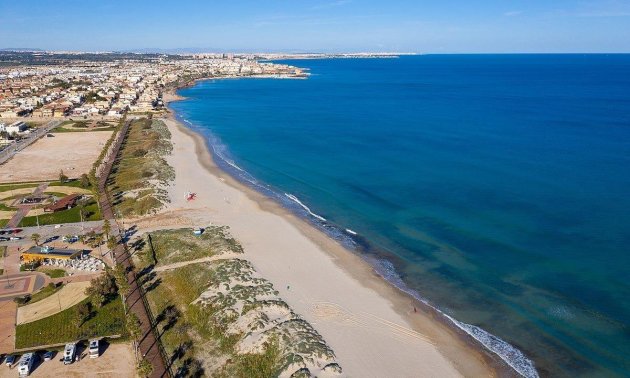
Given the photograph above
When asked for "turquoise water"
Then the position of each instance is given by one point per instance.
(494, 187)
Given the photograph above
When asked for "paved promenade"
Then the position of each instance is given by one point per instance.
(149, 344)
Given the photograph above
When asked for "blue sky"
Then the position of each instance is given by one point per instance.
(447, 26)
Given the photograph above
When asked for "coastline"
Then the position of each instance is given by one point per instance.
(446, 348)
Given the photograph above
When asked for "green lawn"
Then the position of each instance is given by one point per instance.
(61, 129)
(109, 320)
(7, 187)
(53, 273)
(72, 183)
(45, 292)
(65, 216)
(4, 207)
(3, 222)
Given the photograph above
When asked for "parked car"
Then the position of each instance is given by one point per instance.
(94, 348)
(49, 355)
(10, 360)
(4, 238)
(15, 238)
(26, 364)
(68, 353)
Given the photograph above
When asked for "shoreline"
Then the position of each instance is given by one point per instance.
(467, 355)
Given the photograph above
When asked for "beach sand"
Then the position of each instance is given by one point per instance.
(371, 325)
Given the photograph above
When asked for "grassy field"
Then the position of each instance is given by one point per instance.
(60, 328)
(140, 167)
(7, 187)
(71, 183)
(173, 246)
(3, 222)
(45, 292)
(66, 216)
(52, 273)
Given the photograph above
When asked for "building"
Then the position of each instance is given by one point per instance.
(15, 127)
(65, 203)
(42, 253)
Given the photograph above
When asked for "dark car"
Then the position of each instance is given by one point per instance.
(49, 355)
(10, 360)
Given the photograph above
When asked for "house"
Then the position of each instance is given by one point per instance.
(65, 203)
(15, 127)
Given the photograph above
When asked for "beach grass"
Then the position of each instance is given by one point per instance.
(141, 170)
(179, 245)
(108, 320)
(198, 308)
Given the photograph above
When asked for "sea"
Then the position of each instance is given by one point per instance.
(495, 188)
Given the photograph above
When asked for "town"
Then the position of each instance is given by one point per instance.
(75, 279)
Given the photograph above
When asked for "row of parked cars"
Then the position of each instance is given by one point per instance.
(27, 361)
(9, 234)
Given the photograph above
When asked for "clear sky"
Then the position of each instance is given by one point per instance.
(438, 26)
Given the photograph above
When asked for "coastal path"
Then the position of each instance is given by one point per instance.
(149, 345)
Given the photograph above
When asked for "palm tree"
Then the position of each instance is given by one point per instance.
(107, 228)
(35, 238)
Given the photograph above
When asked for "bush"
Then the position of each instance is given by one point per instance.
(140, 152)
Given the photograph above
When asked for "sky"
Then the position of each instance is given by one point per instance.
(438, 26)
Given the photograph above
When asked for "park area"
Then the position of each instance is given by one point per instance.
(50, 155)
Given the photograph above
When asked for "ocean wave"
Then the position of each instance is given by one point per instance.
(308, 210)
(511, 355)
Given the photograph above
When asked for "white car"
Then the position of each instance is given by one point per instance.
(93, 348)
(68, 353)
(26, 364)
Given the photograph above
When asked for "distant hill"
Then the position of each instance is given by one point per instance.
(20, 49)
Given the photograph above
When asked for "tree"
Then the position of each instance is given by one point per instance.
(133, 327)
(111, 242)
(98, 300)
(35, 238)
(107, 227)
(81, 314)
(62, 178)
(85, 181)
(144, 368)
(120, 277)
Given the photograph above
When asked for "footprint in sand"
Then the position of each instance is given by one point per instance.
(334, 312)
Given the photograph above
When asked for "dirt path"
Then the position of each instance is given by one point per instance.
(7, 326)
(68, 296)
(197, 261)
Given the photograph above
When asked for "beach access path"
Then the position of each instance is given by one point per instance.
(149, 345)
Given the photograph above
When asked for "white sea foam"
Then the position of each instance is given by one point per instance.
(308, 210)
(511, 355)
(351, 232)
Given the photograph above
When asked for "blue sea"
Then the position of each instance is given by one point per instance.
(495, 187)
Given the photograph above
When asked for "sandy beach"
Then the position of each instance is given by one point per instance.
(371, 325)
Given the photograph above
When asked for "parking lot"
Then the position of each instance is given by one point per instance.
(115, 360)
